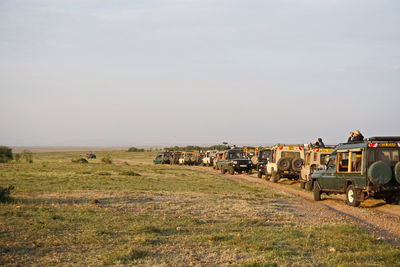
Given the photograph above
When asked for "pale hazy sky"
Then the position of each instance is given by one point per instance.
(101, 72)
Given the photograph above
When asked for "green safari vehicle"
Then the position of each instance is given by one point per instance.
(369, 168)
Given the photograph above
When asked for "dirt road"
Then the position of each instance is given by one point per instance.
(376, 216)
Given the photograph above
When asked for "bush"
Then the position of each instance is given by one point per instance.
(106, 159)
(5, 154)
(134, 149)
(130, 173)
(79, 160)
(5, 193)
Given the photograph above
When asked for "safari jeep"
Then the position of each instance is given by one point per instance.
(162, 158)
(316, 159)
(208, 158)
(262, 160)
(285, 162)
(234, 160)
(175, 157)
(187, 158)
(367, 169)
(218, 156)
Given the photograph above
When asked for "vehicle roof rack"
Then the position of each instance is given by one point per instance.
(383, 138)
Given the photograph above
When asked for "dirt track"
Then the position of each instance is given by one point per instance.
(376, 216)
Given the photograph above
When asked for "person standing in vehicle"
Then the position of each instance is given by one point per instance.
(358, 136)
(350, 139)
(319, 143)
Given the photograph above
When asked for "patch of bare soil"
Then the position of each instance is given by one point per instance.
(381, 219)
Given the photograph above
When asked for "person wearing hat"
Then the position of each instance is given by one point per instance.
(350, 139)
(358, 137)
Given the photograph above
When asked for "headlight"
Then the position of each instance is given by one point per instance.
(249, 161)
(235, 162)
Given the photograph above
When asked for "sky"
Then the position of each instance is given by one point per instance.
(147, 72)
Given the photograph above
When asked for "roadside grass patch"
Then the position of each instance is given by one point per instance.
(130, 173)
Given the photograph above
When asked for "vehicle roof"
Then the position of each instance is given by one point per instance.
(366, 142)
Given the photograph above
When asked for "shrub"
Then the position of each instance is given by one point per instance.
(5, 193)
(79, 160)
(5, 154)
(106, 159)
(130, 173)
(134, 149)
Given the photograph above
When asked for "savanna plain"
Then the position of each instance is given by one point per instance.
(131, 212)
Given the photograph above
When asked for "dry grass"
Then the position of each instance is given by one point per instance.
(100, 214)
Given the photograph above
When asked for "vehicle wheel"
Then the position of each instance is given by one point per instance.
(302, 184)
(317, 191)
(274, 177)
(249, 171)
(259, 174)
(231, 171)
(309, 186)
(393, 199)
(351, 196)
(240, 172)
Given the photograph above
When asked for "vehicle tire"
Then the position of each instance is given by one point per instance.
(309, 186)
(249, 171)
(397, 172)
(302, 184)
(283, 164)
(231, 171)
(297, 164)
(240, 172)
(259, 174)
(274, 177)
(223, 170)
(380, 173)
(393, 199)
(351, 196)
(317, 191)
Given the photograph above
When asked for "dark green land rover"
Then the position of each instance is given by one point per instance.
(370, 168)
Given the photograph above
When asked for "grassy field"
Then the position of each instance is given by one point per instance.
(132, 212)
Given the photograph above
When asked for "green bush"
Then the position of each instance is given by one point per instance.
(79, 160)
(5, 154)
(106, 159)
(134, 149)
(5, 193)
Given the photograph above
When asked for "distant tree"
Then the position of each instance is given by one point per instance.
(5, 154)
(134, 149)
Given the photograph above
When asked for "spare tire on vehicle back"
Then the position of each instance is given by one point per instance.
(397, 172)
(297, 164)
(380, 173)
(283, 164)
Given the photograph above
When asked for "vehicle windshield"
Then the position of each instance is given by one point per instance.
(291, 155)
(264, 154)
(324, 159)
(236, 155)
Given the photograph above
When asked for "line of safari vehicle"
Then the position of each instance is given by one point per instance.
(370, 168)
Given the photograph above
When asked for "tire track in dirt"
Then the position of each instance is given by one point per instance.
(380, 219)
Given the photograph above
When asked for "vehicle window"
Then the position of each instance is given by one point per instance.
(343, 159)
(356, 159)
(273, 158)
(332, 163)
(265, 154)
(291, 155)
(387, 155)
(324, 159)
(315, 156)
(236, 155)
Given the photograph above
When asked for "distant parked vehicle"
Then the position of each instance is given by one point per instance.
(90, 155)
(162, 158)
(262, 160)
(175, 157)
(209, 157)
(234, 160)
(187, 158)
(369, 168)
(285, 162)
